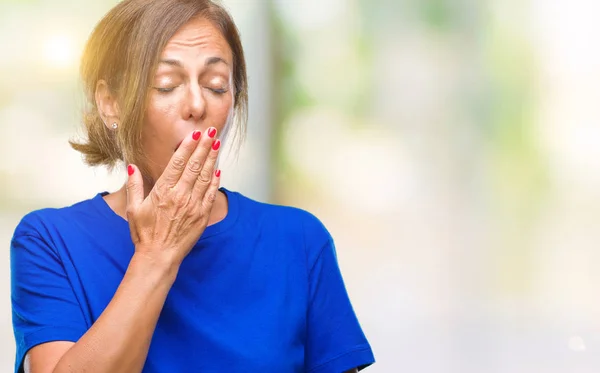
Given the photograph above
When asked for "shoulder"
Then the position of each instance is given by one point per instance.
(43, 222)
(290, 216)
(284, 219)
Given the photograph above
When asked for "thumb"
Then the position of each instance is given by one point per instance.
(135, 188)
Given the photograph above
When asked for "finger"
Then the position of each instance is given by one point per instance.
(196, 166)
(135, 188)
(211, 193)
(179, 160)
(207, 173)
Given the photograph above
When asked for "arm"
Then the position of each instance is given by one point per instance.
(119, 340)
(335, 340)
(164, 227)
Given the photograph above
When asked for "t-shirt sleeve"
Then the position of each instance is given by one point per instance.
(44, 306)
(335, 340)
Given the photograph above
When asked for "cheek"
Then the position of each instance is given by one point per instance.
(220, 111)
(161, 109)
(157, 132)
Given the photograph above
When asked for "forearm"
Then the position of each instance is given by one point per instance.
(119, 340)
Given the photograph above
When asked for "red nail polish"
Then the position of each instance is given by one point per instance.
(216, 145)
(212, 132)
(130, 170)
(218, 173)
(196, 135)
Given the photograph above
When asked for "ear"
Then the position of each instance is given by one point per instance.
(107, 105)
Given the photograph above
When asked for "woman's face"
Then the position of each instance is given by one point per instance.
(192, 90)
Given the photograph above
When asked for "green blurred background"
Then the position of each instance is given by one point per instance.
(452, 147)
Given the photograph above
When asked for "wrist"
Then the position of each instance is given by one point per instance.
(160, 269)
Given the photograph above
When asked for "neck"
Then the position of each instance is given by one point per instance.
(117, 201)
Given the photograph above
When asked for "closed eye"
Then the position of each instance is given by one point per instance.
(218, 91)
(164, 90)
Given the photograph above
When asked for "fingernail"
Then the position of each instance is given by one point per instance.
(130, 170)
(216, 145)
(218, 173)
(212, 132)
(196, 135)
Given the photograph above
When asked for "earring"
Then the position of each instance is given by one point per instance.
(114, 126)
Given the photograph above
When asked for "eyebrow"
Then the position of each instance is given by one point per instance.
(215, 60)
(209, 61)
(172, 63)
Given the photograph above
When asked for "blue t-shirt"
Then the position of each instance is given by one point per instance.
(261, 291)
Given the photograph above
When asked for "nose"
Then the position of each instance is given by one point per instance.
(195, 105)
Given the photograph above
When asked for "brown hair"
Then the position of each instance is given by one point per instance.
(124, 50)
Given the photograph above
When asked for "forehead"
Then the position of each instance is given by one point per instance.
(198, 38)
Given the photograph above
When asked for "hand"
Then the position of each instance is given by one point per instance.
(167, 223)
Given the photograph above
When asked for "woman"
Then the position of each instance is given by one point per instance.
(171, 273)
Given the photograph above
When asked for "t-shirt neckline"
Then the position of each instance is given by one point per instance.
(219, 227)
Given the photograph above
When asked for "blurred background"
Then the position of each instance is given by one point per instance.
(452, 148)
